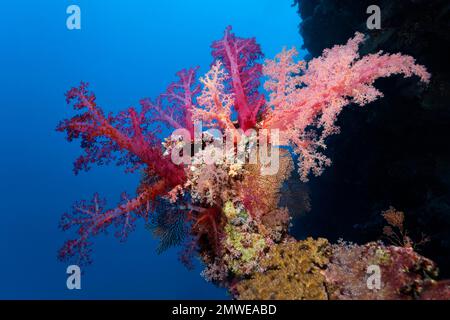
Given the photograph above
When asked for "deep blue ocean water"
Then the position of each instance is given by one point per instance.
(126, 50)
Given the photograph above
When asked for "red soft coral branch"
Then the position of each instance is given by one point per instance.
(162, 114)
(91, 219)
(102, 136)
(240, 58)
(174, 108)
(132, 135)
(183, 92)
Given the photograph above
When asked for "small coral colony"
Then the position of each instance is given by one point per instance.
(216, 192)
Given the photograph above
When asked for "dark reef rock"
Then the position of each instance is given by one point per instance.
(404, 274)
(315, 270)
(396, 150)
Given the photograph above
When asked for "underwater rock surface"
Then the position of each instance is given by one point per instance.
(315, 270)
(395, 152)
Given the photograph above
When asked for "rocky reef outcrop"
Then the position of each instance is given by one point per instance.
(395, 152)
(316, 270)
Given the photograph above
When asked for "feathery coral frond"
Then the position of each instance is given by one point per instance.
(131, 136)
(240, 57)
(305, 107)
(216, 104)
(174, 107)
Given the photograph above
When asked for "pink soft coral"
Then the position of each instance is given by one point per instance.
(315, 98)
(216, 105)
(174, 108)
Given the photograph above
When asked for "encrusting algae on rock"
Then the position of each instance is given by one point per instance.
(316, 270)
(294, 271)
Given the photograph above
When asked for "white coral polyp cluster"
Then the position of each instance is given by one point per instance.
(208, 182)
(210, 173)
